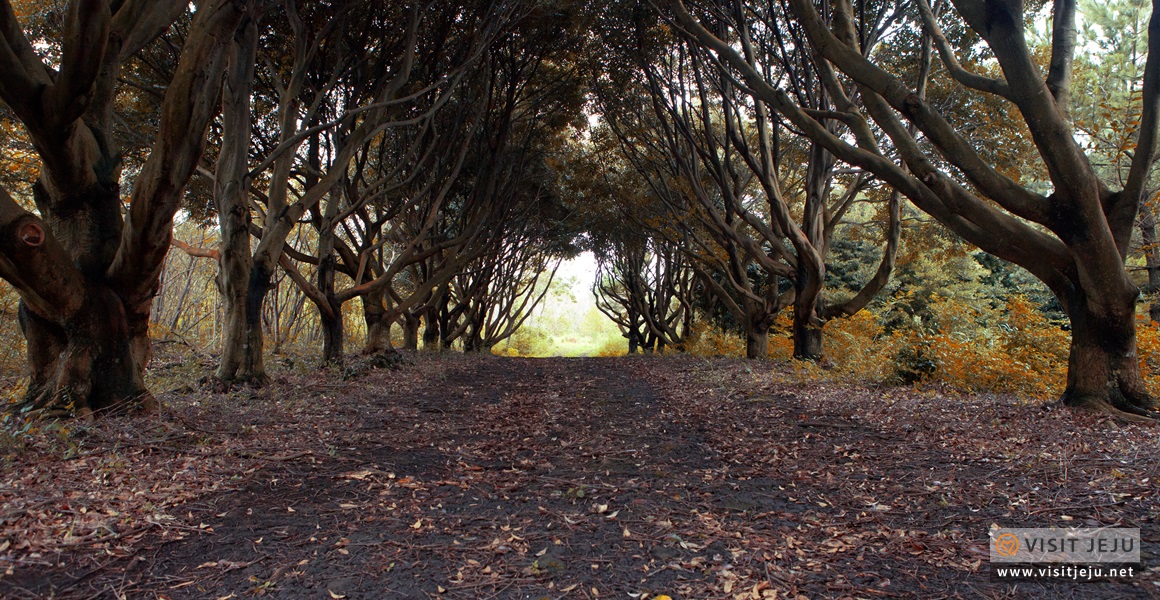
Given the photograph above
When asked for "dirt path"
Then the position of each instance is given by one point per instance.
(599, 478)
(510, 478)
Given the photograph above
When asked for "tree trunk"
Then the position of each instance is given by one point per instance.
(378, 328)
(811, 273)
(333, 353)
(1103, 370)
(431, 331)
(757, 322)
(473, 339)
(84, 354)
(241, 359)
(1147, 223)
(331, 310)
(411, 331)
(446, 325)
(757, 343)
(807, 340)
(634, 338)
(260, 284)
(807, 324)
(88, 366)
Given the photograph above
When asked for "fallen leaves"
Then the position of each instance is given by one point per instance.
(651, 477)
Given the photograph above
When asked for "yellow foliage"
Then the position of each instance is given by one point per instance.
(781, 337)
(706, 340)
(613, 347)
(859, 349)
(1148, 349)
(1024, 353)
(1013, 349)
(12, 359)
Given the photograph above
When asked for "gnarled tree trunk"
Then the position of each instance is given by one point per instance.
(431, 334)
(87, 277)
(807, 340)
(242, 344)
(756, 343)
(811, 272)
(333, 353)
(1103, 368)
(757, 321)
(411, 331)
(81, 355)
(378, 329)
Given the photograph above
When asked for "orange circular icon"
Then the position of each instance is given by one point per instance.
(1007, 544)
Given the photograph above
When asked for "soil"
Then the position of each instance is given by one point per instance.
(488, 477)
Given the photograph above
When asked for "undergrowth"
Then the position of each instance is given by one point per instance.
(1011, 349)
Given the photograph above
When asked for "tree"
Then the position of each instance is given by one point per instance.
(85, 273)
(1107, 117)
(1073, 238)
(645, 285)
(344, 77)
(733, 179)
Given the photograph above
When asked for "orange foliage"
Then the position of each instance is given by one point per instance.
(1148, 349)
(1014, 349)
(705, 340)
(1022, 353)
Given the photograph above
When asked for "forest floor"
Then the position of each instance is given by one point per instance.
(488, 477)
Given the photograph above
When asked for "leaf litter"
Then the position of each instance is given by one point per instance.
(487, 477)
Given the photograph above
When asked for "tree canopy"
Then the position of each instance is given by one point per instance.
(763, 170)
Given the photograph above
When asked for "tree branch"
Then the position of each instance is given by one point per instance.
(974, 81)
(195, 251)
(1062, 53)
(190, 104)
(85, 39)
(1145, 154)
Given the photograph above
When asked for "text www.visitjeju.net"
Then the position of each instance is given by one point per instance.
(1072, 572)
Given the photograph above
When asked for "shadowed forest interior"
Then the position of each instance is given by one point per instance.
(211, 207)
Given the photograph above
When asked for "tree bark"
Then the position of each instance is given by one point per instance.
(757, 320)
(431, 331)
(411, 331)
(807, 340)
(241, 358)
(86, 274)
(88, 366)
(378, 329)
(333, 353)
(330, 308)
(756, 343)
(80, 351)
(811, 268)
(446, 325)
(1103, 364)
(260, 284)
(634, 341)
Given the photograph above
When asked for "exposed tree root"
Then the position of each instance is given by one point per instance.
(1120, 411)
(223, 385)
